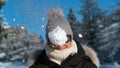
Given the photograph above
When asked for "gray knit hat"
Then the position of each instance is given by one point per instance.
(56, 18)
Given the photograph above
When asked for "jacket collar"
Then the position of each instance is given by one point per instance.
(73, 60)
(70, 60)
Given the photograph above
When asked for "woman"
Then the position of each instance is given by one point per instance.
(61, 51)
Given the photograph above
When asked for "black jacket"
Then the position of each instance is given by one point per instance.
(78, 60)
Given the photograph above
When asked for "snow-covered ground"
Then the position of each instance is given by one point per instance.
(24, 65)
(13, 65)
(109, 66)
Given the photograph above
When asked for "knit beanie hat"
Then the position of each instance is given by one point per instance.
(57, 27)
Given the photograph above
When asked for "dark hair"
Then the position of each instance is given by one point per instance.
(69, 38)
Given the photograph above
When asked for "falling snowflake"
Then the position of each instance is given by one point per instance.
(43, 18)
(2, 10)
(14, 19)
(80, 35)
(58, 5)
(42, 27)
(22, 27)
(23, 60)
(5, 19)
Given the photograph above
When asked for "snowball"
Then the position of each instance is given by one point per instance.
(57, 36)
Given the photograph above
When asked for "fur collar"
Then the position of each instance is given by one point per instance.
(88, 51)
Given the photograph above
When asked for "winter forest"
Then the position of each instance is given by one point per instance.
(98, 29)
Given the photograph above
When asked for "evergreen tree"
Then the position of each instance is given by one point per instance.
(75, 25)
(110, 37)
(91, 14)
(17, 43)
(1, 30)
(2, 2)
(71, 17)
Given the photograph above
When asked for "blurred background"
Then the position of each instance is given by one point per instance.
(94, 22)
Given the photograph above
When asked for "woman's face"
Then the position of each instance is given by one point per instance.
(61, 47)
(64, 46)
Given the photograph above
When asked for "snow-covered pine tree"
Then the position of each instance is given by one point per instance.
(17, 43)
(91, 13)
(109, 37)
(2, 3)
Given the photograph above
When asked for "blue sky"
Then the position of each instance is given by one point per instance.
(33, 13)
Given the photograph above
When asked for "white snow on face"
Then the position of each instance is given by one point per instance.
(57, 36)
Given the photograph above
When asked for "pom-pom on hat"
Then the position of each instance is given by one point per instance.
(56, 19)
